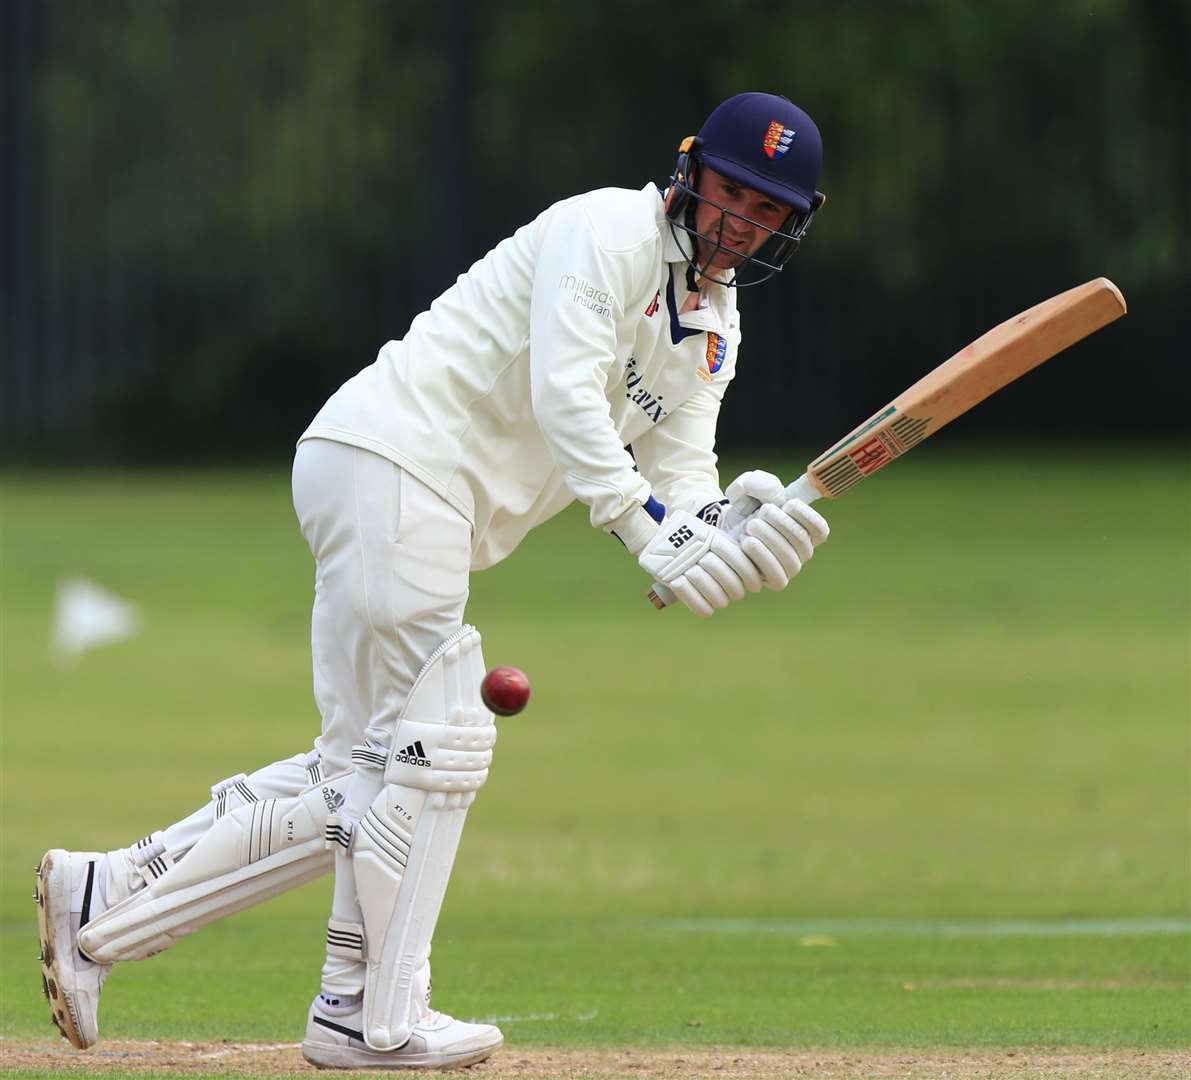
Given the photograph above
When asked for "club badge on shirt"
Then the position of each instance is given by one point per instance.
(717, 350)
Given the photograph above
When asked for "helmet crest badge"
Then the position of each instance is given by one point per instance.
(777, 139)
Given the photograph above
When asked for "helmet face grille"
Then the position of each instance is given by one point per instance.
(768, 260)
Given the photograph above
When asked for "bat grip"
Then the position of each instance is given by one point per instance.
(733, 524)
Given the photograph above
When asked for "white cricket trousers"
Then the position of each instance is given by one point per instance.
(392, 560)
(391, 571)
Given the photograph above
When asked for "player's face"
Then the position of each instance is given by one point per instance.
(739, 237)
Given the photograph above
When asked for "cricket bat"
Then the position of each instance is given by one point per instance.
(974, 373)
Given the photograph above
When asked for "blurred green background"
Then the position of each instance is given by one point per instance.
(214, 213)
(936, 794)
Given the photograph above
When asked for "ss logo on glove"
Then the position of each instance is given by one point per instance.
(680, 536)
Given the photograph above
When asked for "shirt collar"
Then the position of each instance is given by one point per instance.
(676, 245)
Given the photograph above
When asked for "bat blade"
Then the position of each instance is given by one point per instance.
(974, 373)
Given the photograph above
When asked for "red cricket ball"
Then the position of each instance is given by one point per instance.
(505, 690)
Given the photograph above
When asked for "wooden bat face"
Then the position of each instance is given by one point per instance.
(974, 373)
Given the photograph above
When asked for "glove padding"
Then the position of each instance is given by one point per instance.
(780, 534)
(758, 485)
(780, 539)
(700, 563)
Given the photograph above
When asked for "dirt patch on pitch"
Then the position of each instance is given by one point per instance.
(285, 1059)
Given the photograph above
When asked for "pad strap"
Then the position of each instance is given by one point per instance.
(338, 837)
(369, 756)
(345, 939)
(232, 793)
(149, 857)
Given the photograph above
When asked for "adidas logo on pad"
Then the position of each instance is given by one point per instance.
(413, 755)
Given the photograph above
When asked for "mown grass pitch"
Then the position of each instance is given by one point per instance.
(934, 795)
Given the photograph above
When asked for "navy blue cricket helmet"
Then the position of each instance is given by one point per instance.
(764, 142)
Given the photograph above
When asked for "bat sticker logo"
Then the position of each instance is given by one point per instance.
(871, 456)
(778, 139)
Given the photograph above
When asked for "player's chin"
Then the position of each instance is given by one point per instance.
(725, 260)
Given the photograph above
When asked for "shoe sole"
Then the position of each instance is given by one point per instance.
(57, 973)
(326, 1056)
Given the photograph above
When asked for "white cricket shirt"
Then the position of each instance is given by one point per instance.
(523, 384)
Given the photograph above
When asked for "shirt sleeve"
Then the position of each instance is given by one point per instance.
(579, 291)
(678, 456)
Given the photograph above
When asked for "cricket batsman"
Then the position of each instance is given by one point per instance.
(584, 357)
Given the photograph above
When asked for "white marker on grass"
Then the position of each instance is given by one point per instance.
(85, 617)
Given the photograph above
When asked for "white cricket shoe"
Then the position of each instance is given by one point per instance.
(438, 1042)
(69, 893)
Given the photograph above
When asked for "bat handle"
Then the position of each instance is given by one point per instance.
(803, 488)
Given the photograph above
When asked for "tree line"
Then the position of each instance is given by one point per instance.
(215, 212)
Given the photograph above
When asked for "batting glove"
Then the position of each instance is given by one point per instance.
(780, 534)
(700, 563)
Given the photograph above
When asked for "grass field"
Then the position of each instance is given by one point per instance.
(936, 795)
